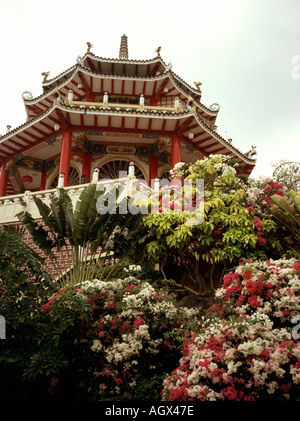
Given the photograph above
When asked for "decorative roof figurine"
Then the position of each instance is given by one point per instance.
(45, 74)
(90, 45)
(157, 51)
(198, 84)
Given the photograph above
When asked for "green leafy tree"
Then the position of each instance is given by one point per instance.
(228, 232)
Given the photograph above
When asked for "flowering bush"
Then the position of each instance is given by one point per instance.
(269, 287)
(257, 195)
(227, 231)
(245, 350)
(179, 170)
(132, 332)
(244, 359)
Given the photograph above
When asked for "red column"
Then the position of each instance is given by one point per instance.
(43, 180)
(175, 158)
(86, 168)
(90, 97)
(152, 169)
(175, 151)
(153, 102)
(3, 179)
(64, 164)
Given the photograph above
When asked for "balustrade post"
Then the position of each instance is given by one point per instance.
(64, 164)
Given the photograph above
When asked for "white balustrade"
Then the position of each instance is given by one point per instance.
(10, 206)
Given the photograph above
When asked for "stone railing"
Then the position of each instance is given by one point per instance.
(10, 206)
(106, 105)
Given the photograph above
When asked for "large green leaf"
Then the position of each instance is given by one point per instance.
(295, 196)
(284, 209)
(38, 233)
(67, 208)
(58, 215)
(47, 216)
(83, 210)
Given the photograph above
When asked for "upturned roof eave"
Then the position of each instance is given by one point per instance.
(104, 60)
(78, 109)
(89, 72)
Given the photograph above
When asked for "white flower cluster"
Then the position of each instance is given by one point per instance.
(178, 170)
(129, 346)
(225, 169)
(124, 336)
(132, 268)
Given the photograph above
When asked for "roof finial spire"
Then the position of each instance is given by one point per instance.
(123, 54)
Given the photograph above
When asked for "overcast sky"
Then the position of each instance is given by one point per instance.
(246, 53)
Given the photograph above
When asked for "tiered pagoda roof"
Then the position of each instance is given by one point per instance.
(76, 98)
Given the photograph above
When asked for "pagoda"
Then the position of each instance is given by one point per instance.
(107, 114)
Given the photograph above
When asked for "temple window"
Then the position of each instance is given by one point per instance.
(73, 180)
(118, 169)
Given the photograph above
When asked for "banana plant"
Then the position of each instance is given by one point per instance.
(286, 209)
(82, 236)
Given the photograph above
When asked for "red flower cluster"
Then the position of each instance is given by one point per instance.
(272, 188)
(297, 266)
(259, 226)
(256, 289)
(48, 306)
(138, 322)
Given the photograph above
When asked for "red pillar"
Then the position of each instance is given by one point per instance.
(175, 158)
(43, 180)
(64, 164)
(3, 179)
(153, 172)
(86, 168)
(153, 102)
(175, 151)
(90, 97)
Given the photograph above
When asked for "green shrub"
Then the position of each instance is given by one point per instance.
(24, 286)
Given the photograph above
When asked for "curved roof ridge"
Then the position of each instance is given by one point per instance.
(27, 123)
(49, 91)
(66, 107)
(90, 72)
(222, 140)
(194, 90)
(206, 109)
(48, 82)
(80, 60)
(122, 60)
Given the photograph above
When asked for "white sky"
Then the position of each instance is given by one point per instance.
(246, 53)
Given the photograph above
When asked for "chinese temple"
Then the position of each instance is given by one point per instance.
(105, 114)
